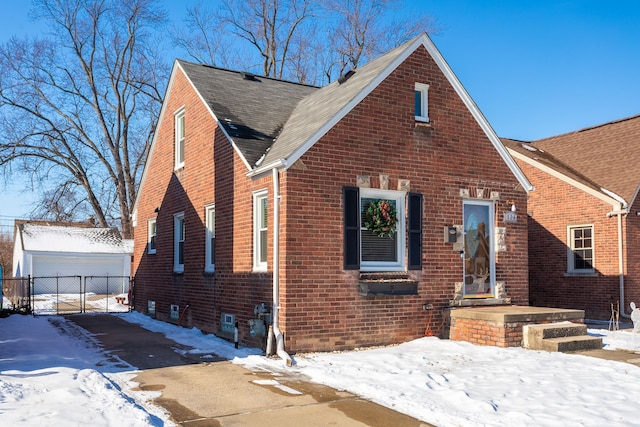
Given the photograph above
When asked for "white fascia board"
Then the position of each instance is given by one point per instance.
(635, 196)
(122, 255)
(155, 133)
(477, 114)
(425, 41)
(233, 144)
(176, 67)
(278, 164)
(299, 152)
(580, 186)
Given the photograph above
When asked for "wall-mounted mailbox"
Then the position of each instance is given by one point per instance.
(450, 234)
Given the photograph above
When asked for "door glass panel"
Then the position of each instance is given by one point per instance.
(477, 250)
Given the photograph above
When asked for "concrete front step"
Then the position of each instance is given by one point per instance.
(533, 335)
(561, 336)
(569, 344)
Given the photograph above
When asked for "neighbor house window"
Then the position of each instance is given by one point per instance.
(151, 234)
(210, 213)
(178, 242)
(179, 130)
(367, 251)
(422, 102)
(580, 258)
(260, 207)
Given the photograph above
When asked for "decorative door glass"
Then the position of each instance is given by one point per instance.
(478, 252)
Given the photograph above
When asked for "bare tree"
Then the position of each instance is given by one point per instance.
(6, 254)
(364, 29)
(78, 109)
(262, 34)
(302, 40)
(201, 36)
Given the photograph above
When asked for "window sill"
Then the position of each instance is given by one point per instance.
(372, 284)
(421, 122)
(580, 274)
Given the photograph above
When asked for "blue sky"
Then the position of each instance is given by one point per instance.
(535, 68)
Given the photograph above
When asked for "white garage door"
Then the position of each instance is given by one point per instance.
(44, 266)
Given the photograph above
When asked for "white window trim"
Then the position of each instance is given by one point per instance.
(210, 233)
(424, 91)
(257, 264)
(571, 253)
(177, 116)
(151, 223)
(401, 230)
(177, 267)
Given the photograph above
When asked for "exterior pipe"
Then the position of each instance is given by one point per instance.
(276, 270)
(619, 214)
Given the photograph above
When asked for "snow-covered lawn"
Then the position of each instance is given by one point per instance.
(54, 374)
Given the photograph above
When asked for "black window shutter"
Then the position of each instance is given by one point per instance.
(351, 228)
(415, 231)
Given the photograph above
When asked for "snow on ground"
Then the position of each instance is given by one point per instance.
(54, 374)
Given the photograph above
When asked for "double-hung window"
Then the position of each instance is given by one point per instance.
(179, 143)
(422, 102)
(580, 254)
(178, 242)
(365, 247)
(151, 236)
(260, 221)
(210, 213)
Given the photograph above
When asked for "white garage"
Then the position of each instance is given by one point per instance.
(51, 250)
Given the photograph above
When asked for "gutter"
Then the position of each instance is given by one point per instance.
(278, 164)
(276, 270)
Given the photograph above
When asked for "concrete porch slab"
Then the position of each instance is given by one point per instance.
(518, 313)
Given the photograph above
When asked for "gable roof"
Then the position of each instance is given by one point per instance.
(252, 110)
(272, 123)
(599, 159)
(586, 150)
(544, 161)
(317, 113)
(72, 239)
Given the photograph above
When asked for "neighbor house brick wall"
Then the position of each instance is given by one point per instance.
(321, 307)
(553, 207)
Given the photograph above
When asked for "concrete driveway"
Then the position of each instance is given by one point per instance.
(201, 393)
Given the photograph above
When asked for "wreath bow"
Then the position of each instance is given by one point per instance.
(380, 218)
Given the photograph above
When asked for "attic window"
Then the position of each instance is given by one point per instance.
(422, 102)
(346, 76)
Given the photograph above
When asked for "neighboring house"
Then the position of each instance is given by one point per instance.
(248, 176)
(584, 228)
(47, 249)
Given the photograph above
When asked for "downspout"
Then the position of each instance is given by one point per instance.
(619, 214)
(276, 270)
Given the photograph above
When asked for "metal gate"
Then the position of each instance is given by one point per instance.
(44, 295)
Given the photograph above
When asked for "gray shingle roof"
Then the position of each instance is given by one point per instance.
(315, 114)
(252, 112)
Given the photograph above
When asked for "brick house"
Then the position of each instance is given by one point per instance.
(248, 176)
(583, 217)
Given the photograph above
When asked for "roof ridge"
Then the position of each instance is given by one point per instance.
(612, 122)
(245, 71)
